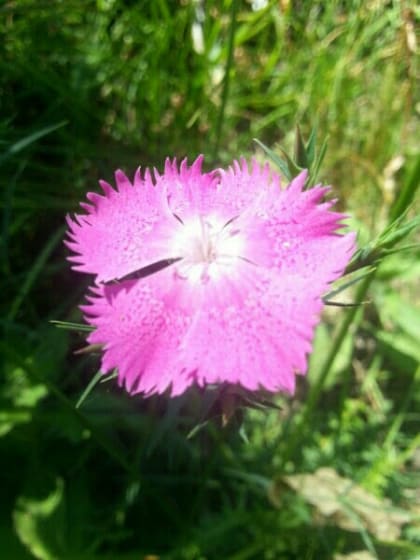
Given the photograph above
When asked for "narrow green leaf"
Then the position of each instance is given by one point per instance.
(168, 421)
(347, 284)
(34, 272)
(109, 377)
(408, 192)
(196, 429)
(72, 326)
(344, 304)
(311, 145)
(294, 168)
(28, 140)
(395, 234)
(91, 385)
(275, 159)
(317, 165)
(300, 155)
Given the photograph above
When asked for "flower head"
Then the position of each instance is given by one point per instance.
(206, 278)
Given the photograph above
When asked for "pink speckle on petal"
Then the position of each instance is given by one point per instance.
(242, 268)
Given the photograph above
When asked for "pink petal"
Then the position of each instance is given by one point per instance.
(123, 230)
(290, 232)
(246, 314)
(254, 329)
(190, 191)
(141, 331)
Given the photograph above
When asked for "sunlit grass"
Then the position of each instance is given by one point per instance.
(86, 87)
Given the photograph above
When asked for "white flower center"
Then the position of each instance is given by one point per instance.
(208, 247)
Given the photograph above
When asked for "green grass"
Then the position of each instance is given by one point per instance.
(87, 87)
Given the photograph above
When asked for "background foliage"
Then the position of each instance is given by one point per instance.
(89, 86)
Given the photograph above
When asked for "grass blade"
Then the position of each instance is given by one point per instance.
(28, 140)
(34, 272)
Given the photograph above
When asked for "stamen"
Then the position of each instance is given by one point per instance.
(145, 270)
(230, 221)
(177, 218)
(208, 245)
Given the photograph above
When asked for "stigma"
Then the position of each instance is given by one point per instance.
(208, 246)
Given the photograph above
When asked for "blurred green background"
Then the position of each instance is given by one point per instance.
(90, 86)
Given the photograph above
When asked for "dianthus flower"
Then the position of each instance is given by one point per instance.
(207, 278)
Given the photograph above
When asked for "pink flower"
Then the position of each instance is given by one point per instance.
(242, 265)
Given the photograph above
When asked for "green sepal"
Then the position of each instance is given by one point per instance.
(305, 156)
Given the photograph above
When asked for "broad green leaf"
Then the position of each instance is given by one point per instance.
(11, 418)
(394, 309)
(11, 547)
(399, 343)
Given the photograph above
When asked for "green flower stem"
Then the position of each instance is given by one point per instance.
(226, 81)
(408, 192)
(335, 348)
(299, 432)
(400, 416)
